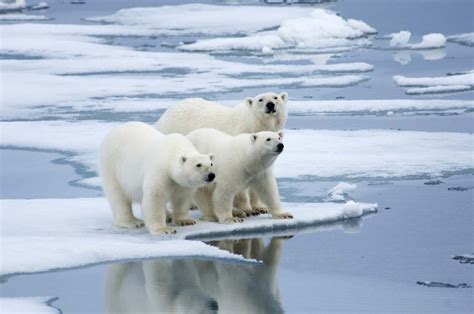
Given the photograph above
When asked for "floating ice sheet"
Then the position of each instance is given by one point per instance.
(204, 18)
(466, 39)
(31, 305)
(41, 235)
(22, 17)
(401, 40)
(321, 29)
(432, 85)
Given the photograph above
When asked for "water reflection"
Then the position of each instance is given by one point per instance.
(199, 286)
(404, 56)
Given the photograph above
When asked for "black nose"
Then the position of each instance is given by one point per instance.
(280, 147)
(211, 176)
(270, 106)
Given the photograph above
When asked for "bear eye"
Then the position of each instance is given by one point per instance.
(198, 165)
(261, 99)
(275, 97)
(269, 139)
(212, 164)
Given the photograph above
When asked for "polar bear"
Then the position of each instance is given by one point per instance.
(264, 112)
(242, 161)
(139, 164)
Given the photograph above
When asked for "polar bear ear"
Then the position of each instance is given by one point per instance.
(253, 137)
(183, 159)
(211, 157)
(281, 134)
(248, 101)
(284, 96)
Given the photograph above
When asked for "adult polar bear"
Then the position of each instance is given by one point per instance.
(139, 164)
(264, 112)
(242, 161)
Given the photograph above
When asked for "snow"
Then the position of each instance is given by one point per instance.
(40, 6)
(203, 18)
(70, 50)
(376, 106)
(322, 29)
(466, 39)
(14, 6)
(22, 17)
(443, 84)
(429, 41)
(342, 188)
(41, 235)
(32, 305)
(348, 154)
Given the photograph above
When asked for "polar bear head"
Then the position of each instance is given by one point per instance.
(267, 143)
(195, 170)
(269, 109)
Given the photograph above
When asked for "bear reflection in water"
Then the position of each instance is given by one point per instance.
(199, 286)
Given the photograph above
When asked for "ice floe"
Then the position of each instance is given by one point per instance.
(321, 29)
(434, 85)
(203, 18)
(435, 284)
(342, 154)
(31, 305)
(338, 192)
(22, 17)
(41, 235)
(429, 41)
(466, 39)
(17, 5)
(464, 258)
(78, 66)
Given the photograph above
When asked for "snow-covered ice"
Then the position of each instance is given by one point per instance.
(338, 192)
(349, 154)
(431, 85)
(17, 5)
(428, 41)
(31, 305)
(40, 6)
(321, 29)
(21, 17)
(41, 235)
(203, 18)
(466, 39)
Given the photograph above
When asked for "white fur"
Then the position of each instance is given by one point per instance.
(139, 164)
(198, 286)
(248, 117)
(242, 161)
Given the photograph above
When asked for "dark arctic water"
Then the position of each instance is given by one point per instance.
(365, 265)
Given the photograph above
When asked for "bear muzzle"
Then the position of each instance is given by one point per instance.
(210, 177)
(270, 107)
(280, 147)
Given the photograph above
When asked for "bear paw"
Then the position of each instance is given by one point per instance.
(260, 210)
(130, 224)
(185, 222)
(283, 216)
(232, 220)
(164, 230)
(238, 213)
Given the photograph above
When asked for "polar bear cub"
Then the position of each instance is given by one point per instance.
(139, 164)
(242, 161)
(264, 112)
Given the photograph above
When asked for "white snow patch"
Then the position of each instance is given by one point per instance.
(430, 85)
(429, 41)
(32, 305)
(12, 6)
(204, 18)
(322, 29)
(22, 17)
(40, 235)
(466, 39)
(40, 6)
(350, 154)
(338, 192)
